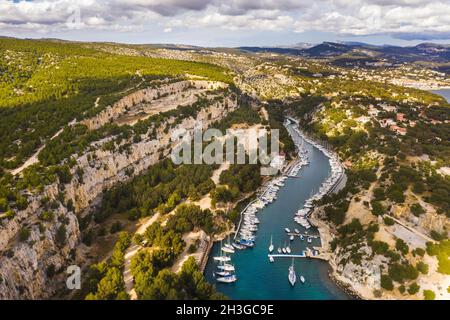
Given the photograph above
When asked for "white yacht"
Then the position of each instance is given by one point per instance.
(226, 267)
(291, 276)
(228, 250)
(222, 273)
(227, 279)
(222, 259)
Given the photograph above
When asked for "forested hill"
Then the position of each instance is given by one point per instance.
(46, 84)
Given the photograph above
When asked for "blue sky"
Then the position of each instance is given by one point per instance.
(229, 23)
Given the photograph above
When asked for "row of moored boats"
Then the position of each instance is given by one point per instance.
(301, 216)
(247, 233)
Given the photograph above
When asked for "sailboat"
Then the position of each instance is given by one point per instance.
(222, 273)
(228, 250)
(222, 257)
(228, 245)
(291, 276)
(271, 245)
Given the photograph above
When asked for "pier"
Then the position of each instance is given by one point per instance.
(308, 253)
(281, 255)
(303, 234)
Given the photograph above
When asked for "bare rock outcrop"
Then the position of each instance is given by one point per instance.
(147, 95)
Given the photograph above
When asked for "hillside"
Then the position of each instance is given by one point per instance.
(85, 177)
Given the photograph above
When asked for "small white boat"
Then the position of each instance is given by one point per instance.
(302, 279)
(222, 273)
(271, 245)
(239, 246)
(301, 237)
(279, 250)
(227, 245)
(288, 249)
(287, 230)
(228, 250)
(226, 267)
(284, 250)
(227, 279)
(296, 231)
(309, 239)
(222, 258)
(271, 259)
(291, 238)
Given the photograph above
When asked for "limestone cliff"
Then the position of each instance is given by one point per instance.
(28, 266)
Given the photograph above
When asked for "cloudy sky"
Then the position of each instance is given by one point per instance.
(229, 22)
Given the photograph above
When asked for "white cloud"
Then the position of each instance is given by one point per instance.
(349, 17)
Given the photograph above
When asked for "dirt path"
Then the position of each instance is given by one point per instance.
(216, 174)
(129, 254)
(34, 158)
(190, 238)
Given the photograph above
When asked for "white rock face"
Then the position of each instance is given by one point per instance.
(24, 265)
(147, 95)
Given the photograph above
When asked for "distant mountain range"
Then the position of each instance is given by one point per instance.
(422, 52)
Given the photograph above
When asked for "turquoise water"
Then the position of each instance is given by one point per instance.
(443, 92)
(258, 278)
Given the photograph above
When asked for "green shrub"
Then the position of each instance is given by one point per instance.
(388, 221)
(422, 267)
(413, 288)
(61, 235)
(401, 246)
(386, 282)
(417, 209)
(429, 295)
(24, 234)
